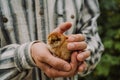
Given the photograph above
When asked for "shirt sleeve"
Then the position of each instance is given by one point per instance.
(88, 27)
(16, 56)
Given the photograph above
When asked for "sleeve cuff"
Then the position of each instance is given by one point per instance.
(23, 58)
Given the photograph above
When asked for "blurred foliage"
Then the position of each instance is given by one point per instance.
(109, 29)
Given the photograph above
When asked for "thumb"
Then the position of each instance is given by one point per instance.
(63, 27)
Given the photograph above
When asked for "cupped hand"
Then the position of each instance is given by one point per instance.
(51, 65)
(81, 57)
(77, 43)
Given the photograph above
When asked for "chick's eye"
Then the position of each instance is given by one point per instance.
(58, 39)
(55, 40)
(52, 41)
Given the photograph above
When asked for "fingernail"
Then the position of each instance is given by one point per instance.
(82, 69)
(67, 67)
(71, 46)
(81, 57)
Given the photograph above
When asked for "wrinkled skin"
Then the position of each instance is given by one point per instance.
(56, 67)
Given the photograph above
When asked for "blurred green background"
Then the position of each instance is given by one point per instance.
(109, 29)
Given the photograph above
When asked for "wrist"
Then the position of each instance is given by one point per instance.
(35, 45)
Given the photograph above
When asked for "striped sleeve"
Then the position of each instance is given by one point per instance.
(19, 56)
(90, 12)
(17, 59)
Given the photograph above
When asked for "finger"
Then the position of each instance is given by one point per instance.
(74, 58)
(74, 62)
(51, 72)
(63, 27)
(76, 38)
(73, 70)
(82, 67)
(57, 63)
(83, 55)
(77, 45)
